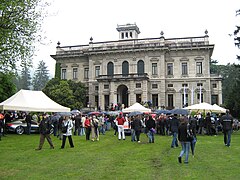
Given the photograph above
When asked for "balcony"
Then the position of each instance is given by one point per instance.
(123, 77)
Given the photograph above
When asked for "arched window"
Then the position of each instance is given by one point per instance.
(125, 68)
(110, 69)
(140, 67)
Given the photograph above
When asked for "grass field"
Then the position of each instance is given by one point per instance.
(113, 159)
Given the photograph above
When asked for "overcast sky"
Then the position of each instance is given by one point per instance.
(73, 22)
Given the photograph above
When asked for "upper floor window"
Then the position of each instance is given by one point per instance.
(106, 86)
(97, 71)
(125, 68)
(170, 85)
(75, 70)
(199, 84)
(96, 88)
(138, 85)
(184, 68)
(184, 85)
(86, 72)
(64, 74)
(169, 68)
(154, 68)
(214, 85)
(140, 67)
(110, 69)
(154, 86)
(199, 67)
(122, 35)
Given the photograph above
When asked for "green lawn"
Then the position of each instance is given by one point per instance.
(113, 159)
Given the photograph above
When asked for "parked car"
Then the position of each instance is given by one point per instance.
(19, 126)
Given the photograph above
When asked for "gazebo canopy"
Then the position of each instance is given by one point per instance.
(27, 100)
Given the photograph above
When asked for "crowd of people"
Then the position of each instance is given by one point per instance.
(183, 129)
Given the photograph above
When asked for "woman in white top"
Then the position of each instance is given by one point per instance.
(67, 122)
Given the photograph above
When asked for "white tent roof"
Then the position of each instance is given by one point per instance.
(26, 100)
(219, 109)
(200, 107)
(136, 107)
(206, 107)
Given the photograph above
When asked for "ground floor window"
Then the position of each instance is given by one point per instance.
(170, 101)
(200, 97)
(106, 102)
(155, 100)
(139, 98)
(214, 99)
(96, 101)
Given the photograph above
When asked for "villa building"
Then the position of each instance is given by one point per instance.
(168, 72)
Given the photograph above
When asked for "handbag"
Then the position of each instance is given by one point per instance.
(189, 134)
(189, 137)
(64, 128)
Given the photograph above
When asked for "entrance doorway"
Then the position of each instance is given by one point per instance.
(122, 95)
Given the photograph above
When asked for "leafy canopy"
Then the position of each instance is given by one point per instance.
(66, 92)
(19, 24)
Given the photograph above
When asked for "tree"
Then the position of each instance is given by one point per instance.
(19, 24)
(7, 87)
(66, 92)
(230, 74)
(58, 70)
(236, 34)
(41, 76)
(25, 78)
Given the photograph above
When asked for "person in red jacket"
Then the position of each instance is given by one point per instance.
(87, 125)
(120, 122)
(1, 125)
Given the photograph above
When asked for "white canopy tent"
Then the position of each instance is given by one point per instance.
(200, 107)
(27, 100)
(136, 107)
(219, 109)
(204, 107)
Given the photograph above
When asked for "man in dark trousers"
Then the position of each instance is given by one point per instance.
(208, 124)
(174, 123)
(227, 123)
(44, 128)
(28, 121)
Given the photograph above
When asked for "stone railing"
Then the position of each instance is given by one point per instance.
(136, 43)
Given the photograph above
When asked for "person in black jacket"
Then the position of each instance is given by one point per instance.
(192, 126)
(137, 126)
(208, 124)
(182, 137)
(151, 125)
(78, 122)
(28, 120)
(44, 129)
(227, 123)
(174, 123)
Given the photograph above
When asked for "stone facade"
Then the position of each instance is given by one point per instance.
(170, 73)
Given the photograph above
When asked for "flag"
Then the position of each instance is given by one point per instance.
(200, 94)
(184, 96)
(192, 97)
